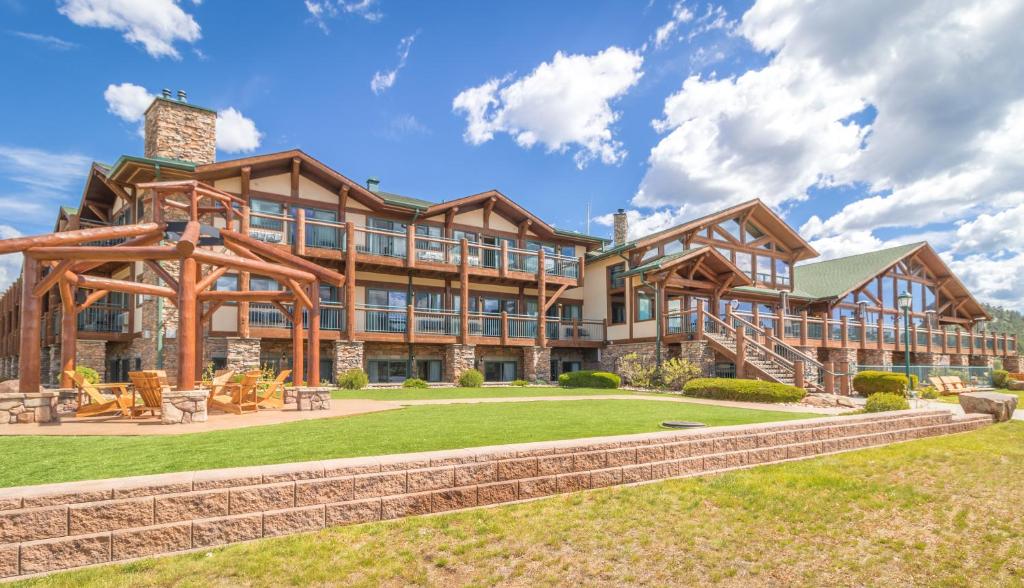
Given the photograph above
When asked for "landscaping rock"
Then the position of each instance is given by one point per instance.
(183, 407)
(845, 402)
(1015, 385)
(1000, 406)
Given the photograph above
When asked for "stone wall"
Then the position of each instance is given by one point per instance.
(982, 361)
(700, 354)
(536, 364)
(1013, 363)
(959, 359)
(92, 353)
(242, 353)
(611, 354)
(925, 358)
(875, 357)
(458, 359)
(59, 526)
(178, 130)
(348, 355)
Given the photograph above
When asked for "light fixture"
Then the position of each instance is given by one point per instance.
(903, 301)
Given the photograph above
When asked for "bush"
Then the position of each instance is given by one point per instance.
(88, 374)
(1000, 378)
(415, 383)
(638, 371)
(675, 373)
(589, 379)
(520, 383)
(353, 379)
(929, 393)
(869, 382)
(745, 390)
(886, 401)
(471, 379)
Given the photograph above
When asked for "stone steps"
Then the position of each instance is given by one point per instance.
(60, 526)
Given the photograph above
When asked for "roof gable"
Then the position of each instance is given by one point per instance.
(835, 278)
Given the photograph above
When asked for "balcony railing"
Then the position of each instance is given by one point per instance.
(268, 316)
(104, 318)
(280, 229)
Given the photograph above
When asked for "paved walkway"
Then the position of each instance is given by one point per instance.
(666, 398)
(218, 421)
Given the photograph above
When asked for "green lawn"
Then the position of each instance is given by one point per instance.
(449, 393)
(934, 512)
(1017, 393)
(39, 460)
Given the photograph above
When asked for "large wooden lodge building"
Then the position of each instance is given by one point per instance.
(431, 289)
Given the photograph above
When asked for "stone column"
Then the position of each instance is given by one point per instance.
(959, 359)
(348, 355)
(925, 358)
(843, 359)
(537, 364)
(700, 354)
(21, 408)
(1013, 363)
(93, 354)
(457, 359)
(982, 361)
(876, 357)
(243, 353)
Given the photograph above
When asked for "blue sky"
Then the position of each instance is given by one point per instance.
(670, 109)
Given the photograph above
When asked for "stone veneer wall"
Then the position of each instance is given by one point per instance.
(458, 359)
(348, 355)
(700, 354)
(178, 130)
(537, 364)
(59, 526)
(1013, 363)
(611, 354)
(92, 353)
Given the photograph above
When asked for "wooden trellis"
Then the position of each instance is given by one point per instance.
(191, 221)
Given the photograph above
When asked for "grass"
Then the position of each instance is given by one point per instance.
(450, 393)
(39, 460)
(952, 399)
(936, 512)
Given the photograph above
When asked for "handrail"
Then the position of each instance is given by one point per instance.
(780, 342)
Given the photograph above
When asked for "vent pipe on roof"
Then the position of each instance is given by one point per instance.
(182, 97)
(621, 226)
(373, 184)
(166, 93)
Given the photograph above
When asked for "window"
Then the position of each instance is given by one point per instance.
(123, 216)
(615, 278)
(500, 371)
(572, 312)
(673, 247)
(263, 284)
(386, 298)
(745, 261)
(227, 283)
(732, 226)
(267, 207)
(782, 272)
(764, 269)
(428, 369)
(428, 300)
(644, 305)
(568, 251)
(571, 366)
(329, 293)
(387, 370)
(753, 233)
(618, 313)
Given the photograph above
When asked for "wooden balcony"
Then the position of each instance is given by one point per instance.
(378, 249)
(807, 331)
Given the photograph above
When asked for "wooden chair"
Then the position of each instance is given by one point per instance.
(269, 398)
(938, 383)
(100, 403)
(147, 386)
(237, 398)
(957, 385)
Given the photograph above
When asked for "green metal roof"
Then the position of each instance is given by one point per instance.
(661, 261)
(771, 292)
(580, 235)
(836, 277)
(154, 161)
(406, 201)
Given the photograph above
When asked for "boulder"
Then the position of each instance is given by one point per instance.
(1015, 385)
(1000, 406)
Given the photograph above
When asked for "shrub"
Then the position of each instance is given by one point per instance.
(520, 383)
(471, 378)
(88, 374)
(886, 401)
(746, 390)
(589, 379)
(869, 382)
(675, 373)
(353, 379)
(638, 371)
(415, 383)
(929, 393)
(1000, 378)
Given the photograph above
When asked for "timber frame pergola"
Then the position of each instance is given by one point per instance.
(183, 230)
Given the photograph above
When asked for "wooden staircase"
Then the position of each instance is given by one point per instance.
(758, 353)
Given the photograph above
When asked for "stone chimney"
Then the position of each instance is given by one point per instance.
(621, 226)
(176, 129)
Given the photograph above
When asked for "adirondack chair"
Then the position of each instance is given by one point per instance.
(269, 397)
(237, 398)
(938, 383)
(147, 386)
(957, 384)
(100, 403)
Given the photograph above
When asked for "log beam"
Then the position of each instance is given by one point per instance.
(126, 286)
(76, 237)
(253, 266)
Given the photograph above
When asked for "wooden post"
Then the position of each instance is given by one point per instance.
(830, 383)
(68, 333)
(299, 246)
(757, 319)
(579, 264)
(741, 351)
(824, 329)
(542, 299)
(700, 320)
(798, 374)
(928, 330)
(314, 336)
(503, 263)
(187, 324)
(863, 332)
(410, 246)
(243, 277)
(200, 340)
(350, 281)
(297, 371)
(464, 291)
(803, 328)
(31, 314)
(410, 324)
(844, 378)
(844, 337)
(881, 331)
(504, 327)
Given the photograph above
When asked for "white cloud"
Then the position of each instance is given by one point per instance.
(10, 264)
(321, 10)
(127, 101)
(156, 24)
(47, 40)
(236, 133)
(382, 81)
(42, 171)
(680, 14)
(562, 103)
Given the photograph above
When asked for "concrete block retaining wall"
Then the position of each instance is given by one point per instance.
(60, 526)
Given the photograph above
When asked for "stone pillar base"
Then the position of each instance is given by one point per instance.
(348, 355)
(181, 407)
(982, 361)
(457, 360)
(19, 408)
(307, 398)
(925, 358)
(537, 364)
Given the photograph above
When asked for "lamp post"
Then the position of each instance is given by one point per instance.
(903, 301)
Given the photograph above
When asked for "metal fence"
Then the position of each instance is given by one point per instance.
(973, 375)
